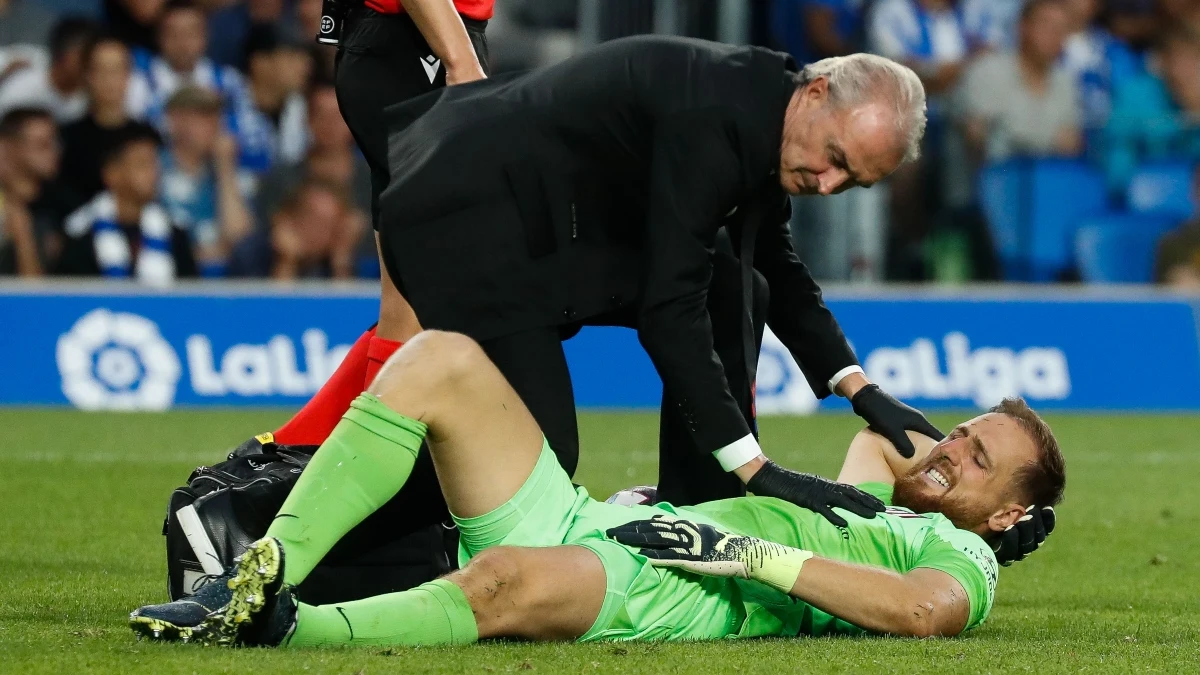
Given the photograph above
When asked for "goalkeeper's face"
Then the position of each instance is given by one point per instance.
(971, 477)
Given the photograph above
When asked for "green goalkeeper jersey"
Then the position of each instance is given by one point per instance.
(897, 539)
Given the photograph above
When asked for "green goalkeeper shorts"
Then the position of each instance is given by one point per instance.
(641, 602)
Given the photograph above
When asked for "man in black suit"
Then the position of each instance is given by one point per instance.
(643, 184)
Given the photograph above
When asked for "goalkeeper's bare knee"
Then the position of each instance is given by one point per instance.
(430, 366)
(550, 593)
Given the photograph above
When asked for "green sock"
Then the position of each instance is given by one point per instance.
(364, 463)
(436, 613)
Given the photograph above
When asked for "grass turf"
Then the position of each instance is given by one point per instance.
(1115, 590)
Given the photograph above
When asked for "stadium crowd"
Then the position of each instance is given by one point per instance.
(156, 140)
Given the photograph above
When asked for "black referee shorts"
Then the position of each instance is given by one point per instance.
(382, 60)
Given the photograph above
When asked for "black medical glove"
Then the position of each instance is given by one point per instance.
(813, 493)
(1023, 538)
(890, 418)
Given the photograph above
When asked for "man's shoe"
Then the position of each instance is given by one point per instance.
(183, 619)
(254, 610)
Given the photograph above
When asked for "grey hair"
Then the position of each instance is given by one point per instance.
(864, 78)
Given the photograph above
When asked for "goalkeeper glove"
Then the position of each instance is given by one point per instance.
(703, 549)
(1026, 536)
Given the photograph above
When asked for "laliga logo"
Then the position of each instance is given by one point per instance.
(263, 370)
(985, 375)
(117, 361)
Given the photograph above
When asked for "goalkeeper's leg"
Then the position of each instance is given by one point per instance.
(550, 593)
(483, 441)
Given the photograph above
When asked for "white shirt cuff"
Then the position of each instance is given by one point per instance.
(841, 375)
(738, 453)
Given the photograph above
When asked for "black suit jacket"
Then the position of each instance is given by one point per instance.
(598, 184)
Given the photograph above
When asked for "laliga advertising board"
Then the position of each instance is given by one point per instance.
(239, 346)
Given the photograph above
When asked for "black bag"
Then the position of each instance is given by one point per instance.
(226, 507)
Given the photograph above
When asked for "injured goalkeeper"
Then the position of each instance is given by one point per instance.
(541, 560)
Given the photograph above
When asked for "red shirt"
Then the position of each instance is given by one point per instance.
(480, 10)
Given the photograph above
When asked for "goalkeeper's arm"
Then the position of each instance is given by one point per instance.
(922, 603)
(871, 458)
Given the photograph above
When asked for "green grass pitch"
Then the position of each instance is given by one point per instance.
(1117, 588)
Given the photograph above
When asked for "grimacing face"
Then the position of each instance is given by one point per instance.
(827, 149)
(969, 477)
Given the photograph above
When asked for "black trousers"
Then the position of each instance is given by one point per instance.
(383, 60)
(534, 362)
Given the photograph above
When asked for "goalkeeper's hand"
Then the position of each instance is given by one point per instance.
(703, 549)
(1026, 536)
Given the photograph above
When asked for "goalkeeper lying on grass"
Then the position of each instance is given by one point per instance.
(547, 562)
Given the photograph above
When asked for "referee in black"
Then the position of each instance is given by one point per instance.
(390, 51)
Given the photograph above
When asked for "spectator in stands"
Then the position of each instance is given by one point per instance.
(18, 246)
(122, 233)
(1137, 23)
(106, 77)
(24, 22)
(199, 185)
(1155, 114)
(305, 23)
(811, 30)
(316, 233)
(991, 24)
(270, 121)
(31, 194)
(1177, 263)
(182, 41)
(931, 37)
(134, 22)
(32, 77)
(1097, 60)
(307, 19)
(332, 157)
(1023, 102)
(230, 23)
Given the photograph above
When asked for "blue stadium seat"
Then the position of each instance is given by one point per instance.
(1000, 195)
(1163, 189)
(1120, 247)
(367, 267)
(1034, 208)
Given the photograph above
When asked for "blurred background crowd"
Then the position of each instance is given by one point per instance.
(1062, 141)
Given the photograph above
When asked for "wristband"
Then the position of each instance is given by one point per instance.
(780, 568)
